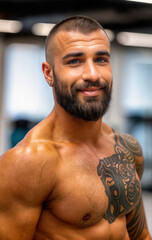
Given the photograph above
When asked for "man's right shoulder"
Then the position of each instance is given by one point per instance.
(31, 167)
(34, 150)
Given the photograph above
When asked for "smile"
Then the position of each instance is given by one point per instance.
(91, 92)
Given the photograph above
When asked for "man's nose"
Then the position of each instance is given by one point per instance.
(90, 72)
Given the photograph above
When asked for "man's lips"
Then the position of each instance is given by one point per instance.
(92, 91)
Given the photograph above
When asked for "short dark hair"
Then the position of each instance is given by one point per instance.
(79, 23)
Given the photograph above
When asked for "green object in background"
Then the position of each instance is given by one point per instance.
(20, 130)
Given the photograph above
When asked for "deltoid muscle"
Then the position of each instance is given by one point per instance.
(119, 178)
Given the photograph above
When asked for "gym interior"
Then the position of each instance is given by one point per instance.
(25, 97)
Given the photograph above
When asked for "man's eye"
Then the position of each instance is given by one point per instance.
(74, 61)
(101, 60)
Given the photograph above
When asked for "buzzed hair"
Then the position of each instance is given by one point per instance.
(78, 23)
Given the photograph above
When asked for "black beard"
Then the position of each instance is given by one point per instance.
(91, 109)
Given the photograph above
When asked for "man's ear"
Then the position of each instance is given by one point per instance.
(48, 73)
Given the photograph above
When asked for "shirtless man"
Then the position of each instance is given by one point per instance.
(73, 177)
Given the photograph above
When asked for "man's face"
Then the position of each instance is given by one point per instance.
(82, 74)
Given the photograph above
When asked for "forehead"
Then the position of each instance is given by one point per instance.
(70, 41)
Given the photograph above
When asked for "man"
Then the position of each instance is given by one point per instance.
(73, 177)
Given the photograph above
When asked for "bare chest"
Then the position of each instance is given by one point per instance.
(92, 188)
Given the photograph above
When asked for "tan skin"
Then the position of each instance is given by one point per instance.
(50, 189)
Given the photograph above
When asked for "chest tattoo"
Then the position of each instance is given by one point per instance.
(118, 176)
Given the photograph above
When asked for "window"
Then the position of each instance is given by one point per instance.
(26, 93)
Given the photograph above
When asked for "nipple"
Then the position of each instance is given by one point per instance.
(87, 216)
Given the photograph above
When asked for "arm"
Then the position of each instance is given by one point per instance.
(136, 220)
(23, 189)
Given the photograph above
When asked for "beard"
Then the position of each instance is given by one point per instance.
(88, 109)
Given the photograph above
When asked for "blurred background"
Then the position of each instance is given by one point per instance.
(25, 98)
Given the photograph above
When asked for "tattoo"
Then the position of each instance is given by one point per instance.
(118, 175)
(137, 223)
(140, 169)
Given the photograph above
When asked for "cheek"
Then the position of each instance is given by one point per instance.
(68, 77)
(73, 73)
(106, 74)
(66, 72)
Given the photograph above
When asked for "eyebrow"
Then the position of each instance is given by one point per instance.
(80, 54)
(101, 53)
(74, 54)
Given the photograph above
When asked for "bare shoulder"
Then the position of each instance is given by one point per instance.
(28, 177)
(133, 150)
(26, 168)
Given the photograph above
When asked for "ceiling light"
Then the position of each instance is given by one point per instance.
(110, 34)
(42, 29)
(141, 1)
(135, 39)
(10, 26)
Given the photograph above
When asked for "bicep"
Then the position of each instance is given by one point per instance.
(18, 221)
(24, 186)
(136, 223)
(136, 219)
(19, 209)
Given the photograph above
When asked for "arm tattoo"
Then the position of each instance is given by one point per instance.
(137, 223)
(118, 175)
(140, 169)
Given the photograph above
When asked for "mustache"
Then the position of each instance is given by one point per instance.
(88, 84)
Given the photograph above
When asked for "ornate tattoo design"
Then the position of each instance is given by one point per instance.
(137, 222)
(118, 176)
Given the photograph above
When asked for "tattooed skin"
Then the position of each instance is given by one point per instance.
(137, 223)
(118, 175)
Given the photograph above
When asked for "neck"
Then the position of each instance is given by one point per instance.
(69, 128)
